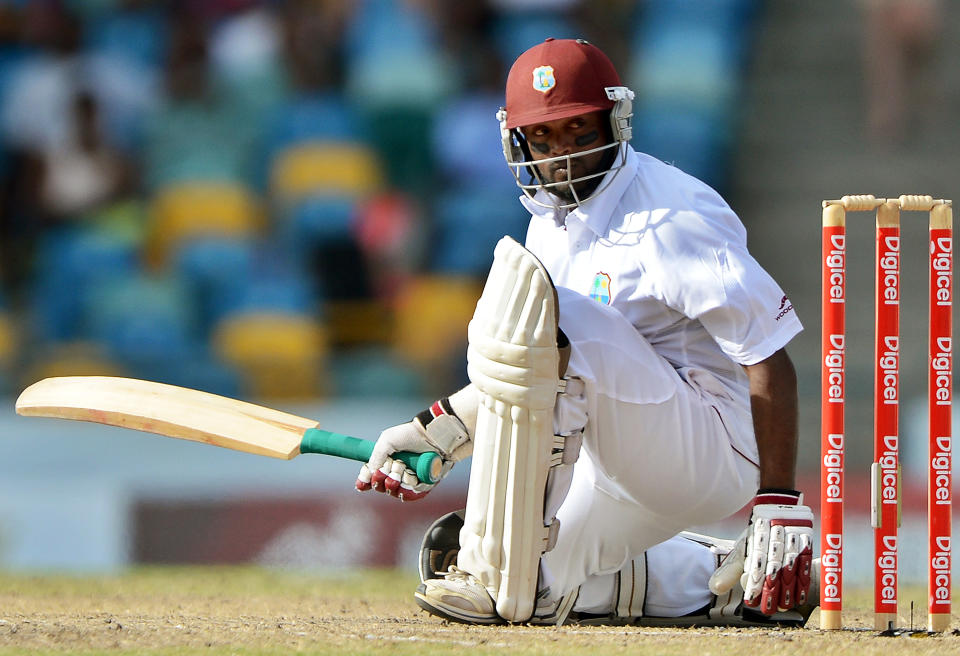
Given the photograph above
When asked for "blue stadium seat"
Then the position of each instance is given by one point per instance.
(144, 321)
(463, 141)
(394, 55)
(202, 371)
(275, 285)
(189, 142)
(70, 263)
(693, 139)
(516, 32)
(373, 373)
(313, 117)
(687, 66)
(138, 35)
(469, 223)
(315, 221)
(214, 268)
(396, 73)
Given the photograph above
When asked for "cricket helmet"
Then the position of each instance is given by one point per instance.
(557, 79)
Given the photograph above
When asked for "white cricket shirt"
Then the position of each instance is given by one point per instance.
(667, 252)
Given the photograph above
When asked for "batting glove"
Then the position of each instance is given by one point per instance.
(439, 428)
(773, 557)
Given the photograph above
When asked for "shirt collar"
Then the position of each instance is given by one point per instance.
(595, 213)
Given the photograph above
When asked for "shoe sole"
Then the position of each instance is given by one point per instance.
(453, 614)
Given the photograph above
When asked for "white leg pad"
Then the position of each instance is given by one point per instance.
(512, 360)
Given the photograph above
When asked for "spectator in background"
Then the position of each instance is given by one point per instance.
(124, 45)
(36, 111)
(12, 229)
(196, 135)
(397, 71)
(460, 139)
(463, 25)
(246, 58)
(84, 173)
(475, 204)
(901, 37)
(310, 137)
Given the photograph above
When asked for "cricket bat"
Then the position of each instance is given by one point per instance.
(190, 414)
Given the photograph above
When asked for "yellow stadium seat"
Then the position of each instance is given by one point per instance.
(358, 322)
(432, 314)
(323, 168)
(188, 211)
(8, 341)
(76, 358)
(280, 355)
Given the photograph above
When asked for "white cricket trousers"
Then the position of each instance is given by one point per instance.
(658, 451)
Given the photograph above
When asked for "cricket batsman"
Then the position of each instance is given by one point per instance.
(629, 380)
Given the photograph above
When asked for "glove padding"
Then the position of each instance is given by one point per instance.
(773, 557)
(436, 429)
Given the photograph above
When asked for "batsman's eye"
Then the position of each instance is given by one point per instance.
(586, 139)
(540, 146)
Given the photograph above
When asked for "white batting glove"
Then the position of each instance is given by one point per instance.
(773, 557)
(439, 428)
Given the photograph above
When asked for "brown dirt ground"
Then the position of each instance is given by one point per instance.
(226, 611)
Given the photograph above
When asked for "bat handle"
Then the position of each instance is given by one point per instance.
(316, 440)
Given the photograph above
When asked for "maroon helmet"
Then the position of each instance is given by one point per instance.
(562, 78)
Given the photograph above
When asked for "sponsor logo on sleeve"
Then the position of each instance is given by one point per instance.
(785, 308)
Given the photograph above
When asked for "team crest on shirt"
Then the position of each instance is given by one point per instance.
(600, 289)
(543, 79)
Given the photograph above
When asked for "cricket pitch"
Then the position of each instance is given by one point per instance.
(247, 610)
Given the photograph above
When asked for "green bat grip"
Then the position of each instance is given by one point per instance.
(316, 440)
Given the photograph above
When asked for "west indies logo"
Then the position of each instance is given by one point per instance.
(600, 289)
(543, 79)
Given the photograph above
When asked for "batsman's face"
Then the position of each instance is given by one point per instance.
(565, 137)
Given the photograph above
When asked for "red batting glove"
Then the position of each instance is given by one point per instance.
(779, 552)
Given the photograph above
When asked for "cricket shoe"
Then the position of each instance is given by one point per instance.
(459, 597)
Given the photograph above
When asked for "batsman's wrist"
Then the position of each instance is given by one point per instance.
(778, 496)
(442, 427)
(465, 403)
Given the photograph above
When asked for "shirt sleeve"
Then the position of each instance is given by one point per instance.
(719, 283)
(756, 318)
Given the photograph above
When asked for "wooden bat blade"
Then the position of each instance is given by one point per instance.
(190, 414)
(167, 410)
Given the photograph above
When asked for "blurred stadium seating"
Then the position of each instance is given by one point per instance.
(8, 347)
(688, 62)
(315, 189)
(146, 322)
(181, 213)
(280, 354)
(72, 358)
(430, 333)
(71, 262)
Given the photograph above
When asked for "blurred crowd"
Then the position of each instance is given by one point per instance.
(295, 198)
